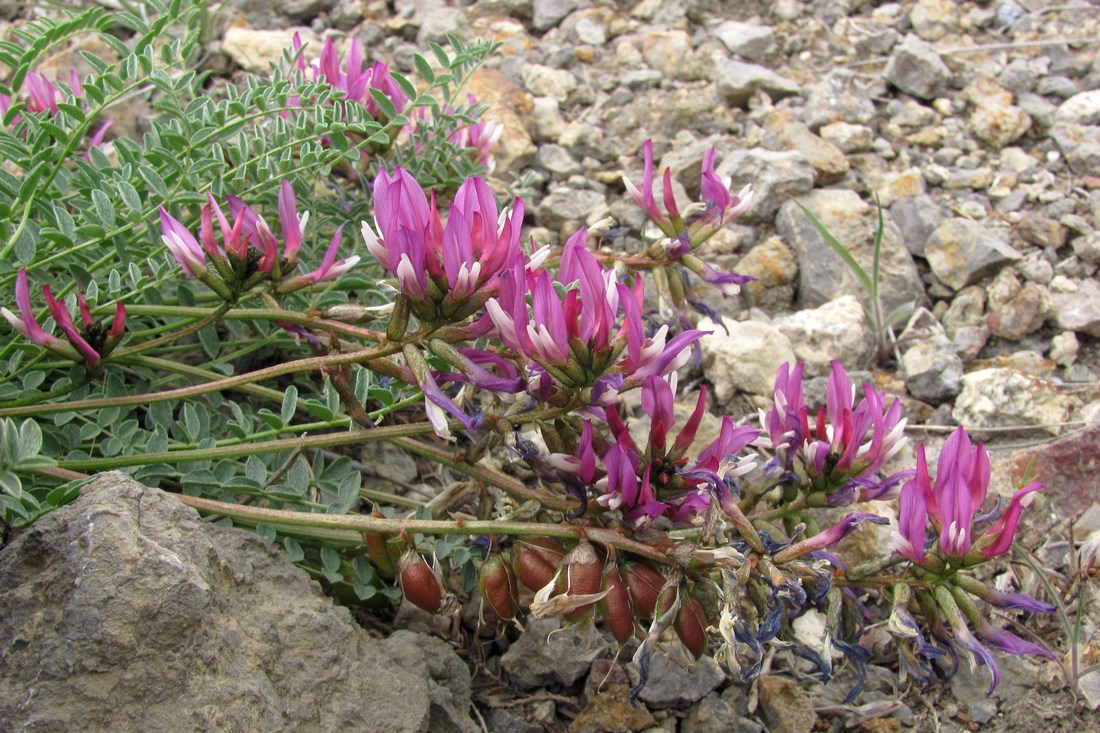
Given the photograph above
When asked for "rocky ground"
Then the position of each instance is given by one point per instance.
(977, 126)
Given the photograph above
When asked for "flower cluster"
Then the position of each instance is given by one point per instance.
(88, 344)
(658, 481)
(354, 79)
(952, 503)
(685, 231)
(848, 445)
(248, 252)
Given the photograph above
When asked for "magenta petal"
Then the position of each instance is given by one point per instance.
(912, 522)
(65, 322)
(1003, 530)
(288, 220)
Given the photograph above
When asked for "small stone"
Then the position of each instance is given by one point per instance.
(672, 686)
(1021, 316)
(256, 50)
(611, 710)
(548, 13)
(787, 708)
(546, 81)
(933, 372)
(828, 162)
(916, 217)
(667, 51)
(839, 97)
(549, 125)
(738, 80)
(747, 40)
(961, 252)
(1080, 144)
(557, 159)
(933, 19)
(543, 655)
(916, 69)
(1078, 310)
(570, 206)
(901, 185)
(744, 360)
(775, 176)
(1087, 248)
(847, 137)
(1041, 231)
(995, 121)
(1080, 109)
(1064, 348)
(772, 264)
(713, 714)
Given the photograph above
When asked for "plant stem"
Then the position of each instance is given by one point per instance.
(264, 314)
(168, 338)
(360, 523)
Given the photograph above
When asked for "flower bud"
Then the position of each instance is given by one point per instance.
(644, 583)
(691, 625)
(536, 560)
(615, 607)
(497, 584)
(581, 576)
(419, 583)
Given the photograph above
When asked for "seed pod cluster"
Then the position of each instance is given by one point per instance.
(497, 583)
(690, 625)
(419, 583)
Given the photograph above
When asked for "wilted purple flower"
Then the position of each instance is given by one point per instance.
(88, 344)
(828, 537)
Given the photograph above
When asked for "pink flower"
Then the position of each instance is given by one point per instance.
(182, 245)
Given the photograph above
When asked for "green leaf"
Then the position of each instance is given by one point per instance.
(294, 551)
(104, 209)
(290, 404)
(11, 485)
(423, 69)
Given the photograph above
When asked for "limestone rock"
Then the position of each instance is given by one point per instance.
(1002, 397)
(737, 80)
(836, 330)
(744, 360)
(124, 611)
(775, 177)
(256, 50)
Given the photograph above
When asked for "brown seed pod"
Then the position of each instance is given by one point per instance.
(644, 583)
(581, 575)
(536, 560)
(616, 608)
(497, 583)
(691, 625)
(418, 582)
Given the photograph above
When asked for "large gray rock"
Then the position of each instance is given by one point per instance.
(916, 69)
(823, 275)
(839, 97)
(747, 40)
(961, 252)
(433, 660)
(1080, 144)
(1080, 109)
(123, 612)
